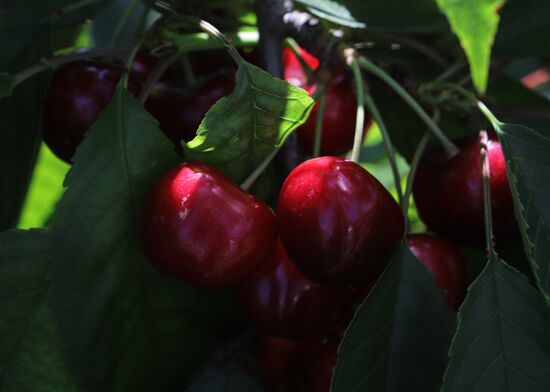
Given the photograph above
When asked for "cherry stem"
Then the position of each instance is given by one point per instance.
(188, 74)
(368, 66)
(414, 167)
(130, 61)
(319, 123)
(122, 21)
(45, 64)
(155, 75)
(360, 116)
(390, 151)
(485, 178)
(451, 70)
(214, 33)
(203, 41)
(74, 7)
(251, 179)
(292, 45)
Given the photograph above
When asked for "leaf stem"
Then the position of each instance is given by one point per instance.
(390, 151)
(48, 63)
(292, 45)
(490, 116)
(485, 178)
(214, 33)
(360, 116)
(319, 124)
(122, 22)
(251, 179)
(451, 70)
(449, 147)
(130, 61)
(74, 7)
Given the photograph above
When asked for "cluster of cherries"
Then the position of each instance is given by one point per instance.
(299, 272)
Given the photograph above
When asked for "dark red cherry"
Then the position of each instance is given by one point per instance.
(144, 63)
(281, 361)
(445, 261)
(321, 367)
(339, 225)
(77, 94)
(340, 109)
(282, 301)
(449, 194)
(180, 112)
(204, 229)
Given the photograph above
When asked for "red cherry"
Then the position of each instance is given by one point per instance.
(180, 112)
(144, 63)
(280, 361)
(449, 193)
(321, 367)
(282, 301)
(201, 227)
(340, 109)
(445, 261)
(78, 92)
(338, 224)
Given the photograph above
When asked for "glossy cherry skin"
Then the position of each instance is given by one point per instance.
(201, 227)
(445, 261)
(339, 225)
(340, 108)
(282, 301)
(77, 94)
(321, 367)
(449, 193)
(180, 112)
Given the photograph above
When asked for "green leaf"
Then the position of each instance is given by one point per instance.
(242, 129)
(6, 84)
(124, 325)
(229, 379)
(45, 190)
(29, 344)
(501, 343)
(475, 22)
(399, 336)
(527, 155)
(394, 15)
(524, 29)
(332, 11)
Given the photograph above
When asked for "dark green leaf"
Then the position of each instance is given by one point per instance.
(527, 155)
(124, 325)
(501, 343)
(475, 23)
(29, 351)
(399, 336)
(395, 15)
(524, 29)
(241, 130)
(6, 84)
(227, 380)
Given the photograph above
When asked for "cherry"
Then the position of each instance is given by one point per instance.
(338, 224)
(144, 63)
(280, 361)
(445, 261)
(78, 92)
(204, 229)
(180, 112)
(449, 193)
(340, 108)
(321, 367)
(282, 301)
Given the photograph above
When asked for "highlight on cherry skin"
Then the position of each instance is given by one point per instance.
(449, 195)
(281, 301)
(446, 262)
(337, 222)
(201, 227)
